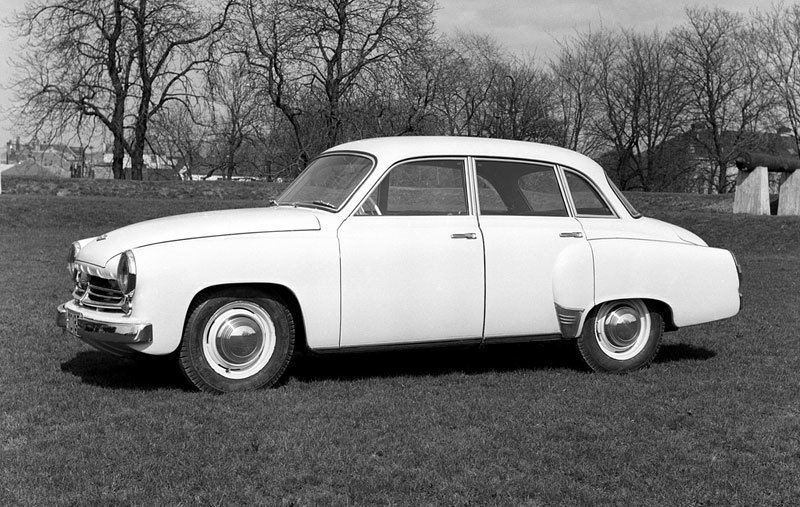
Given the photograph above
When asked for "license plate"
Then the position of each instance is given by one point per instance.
(72, 322)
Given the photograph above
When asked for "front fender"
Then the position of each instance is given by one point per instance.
(171, 274)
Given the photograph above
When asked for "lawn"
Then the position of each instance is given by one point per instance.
(714, 421)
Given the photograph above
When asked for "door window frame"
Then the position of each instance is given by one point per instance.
(571, 204)
(469, 186)
(556, 172)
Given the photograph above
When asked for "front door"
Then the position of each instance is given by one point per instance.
(412, 260)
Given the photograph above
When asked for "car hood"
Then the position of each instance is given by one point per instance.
(98, 251)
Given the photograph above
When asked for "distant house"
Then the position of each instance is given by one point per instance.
(691, 147)
(156, 167)
(681, 163)
(54, 159)
(65, 161)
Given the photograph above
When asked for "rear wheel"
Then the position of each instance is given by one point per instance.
(621, 336)
(237, 340)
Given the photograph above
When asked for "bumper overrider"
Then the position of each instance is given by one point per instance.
(114, 337)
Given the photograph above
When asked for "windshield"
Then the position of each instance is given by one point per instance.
(327, 182)
(625, 201)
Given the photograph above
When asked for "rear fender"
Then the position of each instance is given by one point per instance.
(699, 284)
(573, 287)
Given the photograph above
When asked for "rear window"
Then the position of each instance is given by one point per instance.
(625, 202)
(587, 200)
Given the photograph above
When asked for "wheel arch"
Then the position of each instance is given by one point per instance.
(281, 291)
(655, 305)
(663, 309)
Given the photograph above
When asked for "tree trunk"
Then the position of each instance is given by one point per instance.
(140, 133)
(118, 157)
(137, 151)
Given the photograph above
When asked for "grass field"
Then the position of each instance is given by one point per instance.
(714, 421)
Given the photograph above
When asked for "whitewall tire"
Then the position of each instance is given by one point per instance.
(237, 340)
(620, 336)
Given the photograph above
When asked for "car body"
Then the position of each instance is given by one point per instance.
(401, 242)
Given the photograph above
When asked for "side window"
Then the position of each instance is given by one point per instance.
(518, 188)
(490, 201)
(427, 187)
(586, 199)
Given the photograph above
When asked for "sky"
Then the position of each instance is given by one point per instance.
(525, 27)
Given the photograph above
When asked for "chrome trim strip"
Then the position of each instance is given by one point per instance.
(569, 321)
(94, 331)
(101, 298)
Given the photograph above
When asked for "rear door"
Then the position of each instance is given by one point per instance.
(525, 226)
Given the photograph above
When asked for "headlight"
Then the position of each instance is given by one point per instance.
(72, 255)
(126, 273)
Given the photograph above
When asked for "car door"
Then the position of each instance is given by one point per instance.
(525, 226)
(412, 259)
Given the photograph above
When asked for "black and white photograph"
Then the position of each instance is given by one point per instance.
(400, 252)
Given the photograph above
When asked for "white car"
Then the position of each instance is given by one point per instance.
(406, 241)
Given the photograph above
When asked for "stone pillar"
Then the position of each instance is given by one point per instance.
(752, 192)
(789, 198)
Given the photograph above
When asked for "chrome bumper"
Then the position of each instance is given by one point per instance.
(109, 336)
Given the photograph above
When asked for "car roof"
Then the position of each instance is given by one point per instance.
(393, 149)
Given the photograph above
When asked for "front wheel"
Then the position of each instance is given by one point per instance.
(620, 336)
(237, 340)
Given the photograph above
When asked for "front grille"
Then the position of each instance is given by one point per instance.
(100, 294)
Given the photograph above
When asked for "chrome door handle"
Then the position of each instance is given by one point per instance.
(465, 235)
(571, 235)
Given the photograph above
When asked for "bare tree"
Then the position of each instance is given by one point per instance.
(725, 85)
(117, 61)
(312, 55)
(663, 100)
(182, 135)
(78, 63)
(173, 40)
(776, 34)
(400, 98)
(522, 105)
(235, 107)
(473, 67)
(640, 101)
(573, 71)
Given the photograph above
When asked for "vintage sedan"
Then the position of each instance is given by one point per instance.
(407, 241)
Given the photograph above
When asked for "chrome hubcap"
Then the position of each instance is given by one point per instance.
(622, 328)
(239, 340)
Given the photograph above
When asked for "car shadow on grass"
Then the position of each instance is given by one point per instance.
(145, 373)
(560, 355)
(436, 361)
(683, 352)
(150, 373)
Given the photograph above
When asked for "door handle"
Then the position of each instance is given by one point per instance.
(465, 235)
(571, 235)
